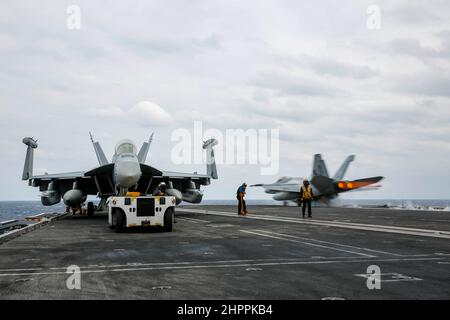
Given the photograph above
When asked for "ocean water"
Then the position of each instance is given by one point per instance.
(10, 210)
(19, 209)
(400, 204)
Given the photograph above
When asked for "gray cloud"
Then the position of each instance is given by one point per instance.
(413, 14)
(430, 84)
(288, 85)
(414, 48)
(333, 67)
(166, 46)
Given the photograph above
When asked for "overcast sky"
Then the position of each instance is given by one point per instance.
(312, 69)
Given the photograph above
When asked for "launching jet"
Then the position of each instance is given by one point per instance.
(126, 172)
(324, 188)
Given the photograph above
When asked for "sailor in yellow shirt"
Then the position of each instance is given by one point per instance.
(305, 196)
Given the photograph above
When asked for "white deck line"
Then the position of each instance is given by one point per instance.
(347, 225)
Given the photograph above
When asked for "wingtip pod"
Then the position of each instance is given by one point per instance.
(28, 165)
(210, 142)
(211, 168)
(30, 142)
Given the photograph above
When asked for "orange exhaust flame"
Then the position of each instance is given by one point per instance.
(345, 185)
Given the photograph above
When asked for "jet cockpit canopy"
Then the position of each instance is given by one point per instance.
(125, 146)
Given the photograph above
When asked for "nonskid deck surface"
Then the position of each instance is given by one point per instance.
(214, 254)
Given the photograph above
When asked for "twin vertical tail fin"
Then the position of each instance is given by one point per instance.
(28, 166)
(211, 169)
(319, 167)
(343, 169)
(99, 151)
(142, 155)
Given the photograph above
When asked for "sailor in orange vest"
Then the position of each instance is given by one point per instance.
(305, 196)
(240, 194)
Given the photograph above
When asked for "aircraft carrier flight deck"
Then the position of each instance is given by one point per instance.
(214, 254)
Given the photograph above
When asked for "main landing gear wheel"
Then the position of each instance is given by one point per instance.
(90, 209)
(120, 222)
(168, 220)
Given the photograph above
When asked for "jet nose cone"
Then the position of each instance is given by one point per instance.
(127, 180)
(128, 174)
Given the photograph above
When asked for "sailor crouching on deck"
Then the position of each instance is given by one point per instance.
(161, 190)
(305, 196)
(240, 194)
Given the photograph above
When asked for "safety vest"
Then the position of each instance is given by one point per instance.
(306, 193)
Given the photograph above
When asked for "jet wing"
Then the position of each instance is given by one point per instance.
(183, 175)
(106, 170)
(283, 187)
(64, 182)
(62, 176)
(183, 180)
(150, 171)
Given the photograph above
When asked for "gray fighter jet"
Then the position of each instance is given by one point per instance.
(126, 172)
(324, 188)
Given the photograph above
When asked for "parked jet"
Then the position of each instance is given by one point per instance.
(324, 188)
(126, 172)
